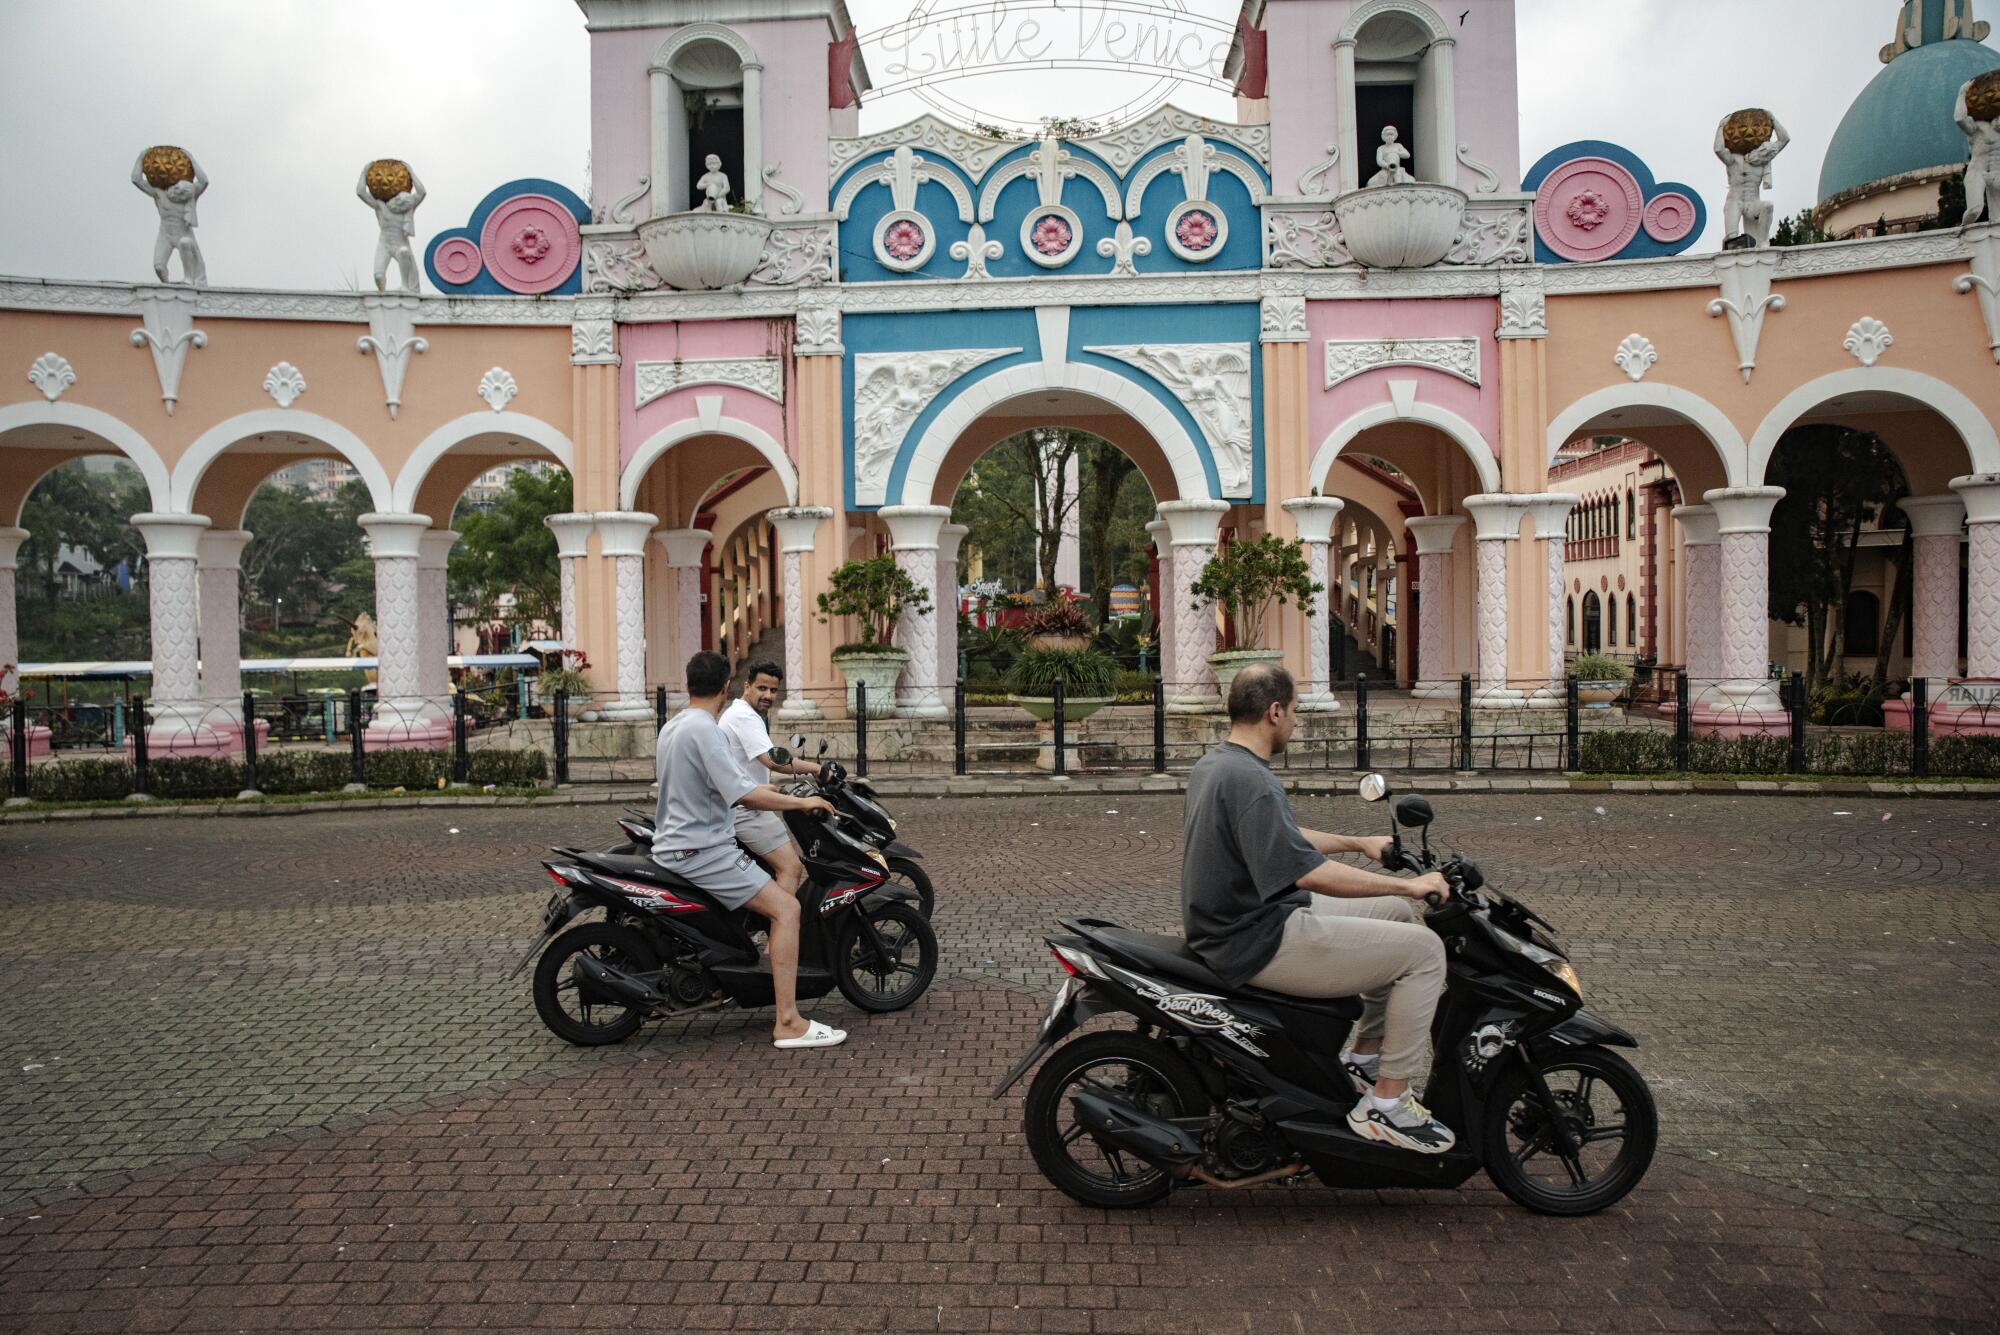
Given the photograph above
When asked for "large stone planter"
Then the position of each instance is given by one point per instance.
(1598, 694)
(1400, 226)
(1232, 661)
(1076, 708)
(702, 251)
(879, 668)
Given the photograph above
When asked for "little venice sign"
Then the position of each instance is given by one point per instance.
(1148, 46)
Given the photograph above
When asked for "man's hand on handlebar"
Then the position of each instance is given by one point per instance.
(817, 805)
(1425, 886)
(1376, 846)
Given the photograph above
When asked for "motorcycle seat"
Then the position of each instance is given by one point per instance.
(1171, 956)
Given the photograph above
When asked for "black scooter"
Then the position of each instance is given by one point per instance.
(1232, 1087)
(665, 949)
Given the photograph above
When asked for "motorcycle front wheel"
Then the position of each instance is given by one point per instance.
(917, 879)
(567, 1005)
(894, 976)
(1604, 1105)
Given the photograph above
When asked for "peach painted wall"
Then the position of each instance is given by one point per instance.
(711, 338)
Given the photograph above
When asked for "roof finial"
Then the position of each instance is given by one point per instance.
(1923, 22)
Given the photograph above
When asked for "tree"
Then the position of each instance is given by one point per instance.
(508, 549)
(86, 511)
(1834, 479)
(299, 545)
(1022, 488)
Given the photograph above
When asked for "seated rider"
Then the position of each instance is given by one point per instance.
(763, 832)
(694, 837)
(1266, 906)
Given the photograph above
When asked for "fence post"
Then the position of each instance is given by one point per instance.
(354, 747)
(1795, 758)
(520, 697)
(249, 742)
(1159, 725)
(1465, 720)
(958, 726)
(659, 706)
(18, 747)
(1920, 728)
(1683, 720)
(1573, 726)
(861, 728)
(1361, 720)
(559, 735)
(1057, 735)
(139, 744)
(460, 762)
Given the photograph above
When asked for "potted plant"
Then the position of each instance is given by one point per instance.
(1600, 679)
(1059, 623)
(875, 592)
(567, 678)
(1243, 578)
(1089, 681)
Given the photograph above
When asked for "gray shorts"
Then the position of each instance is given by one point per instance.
(727, 873)
(761, 831)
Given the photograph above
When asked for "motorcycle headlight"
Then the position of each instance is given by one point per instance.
(1566, 971)
(876, 857)
(892, 823)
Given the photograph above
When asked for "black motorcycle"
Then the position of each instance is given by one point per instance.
(665, 949)
(1232, 1087)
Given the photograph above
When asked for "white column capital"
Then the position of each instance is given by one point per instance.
(394, 535)
(1551, 511)
(623, 532)
(434, 546)
(1193, 523)
(1934, 516)
(1698, 525)
(168, 536)
(914, 527)
(1161, 534)
(950, 538)
(1744, 509)
(1981, 494)
(684, 545)
(572, 533)
(1496, 516)
(222, 548)
(1314, 516)
(10, 546)
(1435, 534)
(797, 525)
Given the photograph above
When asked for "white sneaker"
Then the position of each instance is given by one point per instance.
(1409, 1125)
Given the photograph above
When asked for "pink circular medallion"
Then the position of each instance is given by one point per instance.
(1588, 209)
(456, 260)
(530, 244)
(903, 239)
(1670, 217)
(1196, 230)
(1052, 235)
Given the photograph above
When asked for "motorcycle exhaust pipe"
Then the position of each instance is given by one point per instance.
(1154, 1139)
(614, 984)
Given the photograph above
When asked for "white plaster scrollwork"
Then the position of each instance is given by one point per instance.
(1304, 240)
(1523, 306)
(1868, 339)
(1983, 240)
(1493, 232)
(1489, 180)
(1636, 356)
(1212, 381)
(1122, 249)
(1746, 298)
(617, 263)
(903, 171)
(1282, 319)
(927, 133)
(169, 331)
(51, 374)
(497, 387)
(392, 338)
(794, 201)
(976, 250)
(1312, 181)
(620, 214)
(1125, 146)
(891, 389)
(759, 375)
(797, 255)
(1194, 159)
(816, 332)
(1347, 358)
(593, 342)
(285, 382)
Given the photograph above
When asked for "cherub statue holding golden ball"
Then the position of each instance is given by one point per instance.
(1978, 117)
(392, 191)
(1748, 142)
(174, 182)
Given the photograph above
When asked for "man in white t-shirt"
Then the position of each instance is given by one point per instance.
(743, 723)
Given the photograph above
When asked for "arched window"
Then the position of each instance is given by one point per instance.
(1394, 65)
(1631, 621)
(1593, 627)
(1610, 623)
(1569, 622)
(1864, 623)
(1631, 516)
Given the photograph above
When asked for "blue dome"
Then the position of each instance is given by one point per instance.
(1902, 120)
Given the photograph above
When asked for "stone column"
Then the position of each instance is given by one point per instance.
(1981, 494)
(621, 536)
(795, 526)
(572, 545)
(1193, 525)
(1160, 532)
(1702, 584)
(1743, 522)
(949, 539)
(1344, 78)
(1497, 521)
(913, 537)
(218, 563)
(1935, 525)
(434, 614)
(403, 717)
(752, 187)
(685, 548)
(1315, 516)
(180, 720)
(10, 643)
(1435, 535)
(1551, 512)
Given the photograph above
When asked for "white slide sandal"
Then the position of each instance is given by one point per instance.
(817, 1035)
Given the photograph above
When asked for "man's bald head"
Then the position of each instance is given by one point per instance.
(1256, 689)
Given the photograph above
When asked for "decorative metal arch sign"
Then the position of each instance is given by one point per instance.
(956, 42)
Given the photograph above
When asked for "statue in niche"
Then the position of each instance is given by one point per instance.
(1390, 158)
(1748, 142)
(1978, 116)
(392, 191)
(714, 187)
(175, 183)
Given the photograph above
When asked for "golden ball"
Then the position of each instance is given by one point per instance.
(1982, 99)
(1747, 129)
(166, 165)
(388, 178)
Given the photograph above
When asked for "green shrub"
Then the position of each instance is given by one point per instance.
(1083, 672)
(80, 781)
(1870, 753)
(1136, 688)
(406, 768)
(281, 772)
(194, 776)
(1965, 757)
(1710, 753)
(507, 768)
(1625, 751)
(1599, 667)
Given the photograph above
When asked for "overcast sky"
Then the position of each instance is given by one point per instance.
(283, 101)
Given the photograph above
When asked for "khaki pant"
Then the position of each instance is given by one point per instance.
(1377, 949)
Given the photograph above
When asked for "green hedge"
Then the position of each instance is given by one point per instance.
(173, 777)
(1862, 754)
(507, 769)
(80, 781)
(409, 768)
(285, 772)
(279, 773)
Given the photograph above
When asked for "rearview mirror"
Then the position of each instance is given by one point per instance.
(822, 746)
(781, 755)
(1413, 812)
(798, 741)
(1374, 788)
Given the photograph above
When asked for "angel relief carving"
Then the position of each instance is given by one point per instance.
(891, 390)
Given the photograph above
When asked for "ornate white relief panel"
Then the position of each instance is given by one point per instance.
(1282, 319)
(891, 389)
(1212, 381)
(392, 337)
(593, 342)
(285, 382)
(498, 388)
(51, 374)
(1636, 356)
(1347, 358)
(1868, 339)
(169, 331)
(759, 375)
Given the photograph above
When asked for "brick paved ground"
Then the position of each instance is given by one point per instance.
(1814, 991)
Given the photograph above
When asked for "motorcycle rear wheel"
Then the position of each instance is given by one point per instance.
(918, 879)
(592, 1023)
(877, 984)
(1614, 1148)
(1154, 1078)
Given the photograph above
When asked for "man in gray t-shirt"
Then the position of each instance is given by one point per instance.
(694, 836)
(1266, 906)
